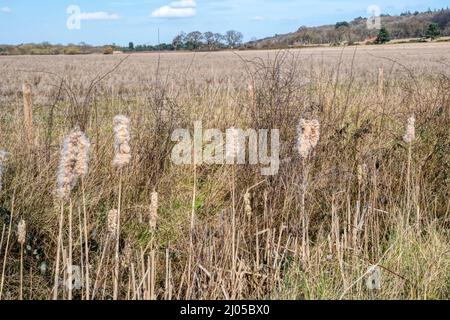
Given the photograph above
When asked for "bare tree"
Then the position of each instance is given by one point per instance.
(218, 40)
(209, 39)
(194, 39)
(179, 40)
(233, 38)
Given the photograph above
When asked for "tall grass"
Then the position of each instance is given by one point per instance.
(359, 199)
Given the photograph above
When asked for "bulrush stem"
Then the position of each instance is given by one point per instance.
(408, 184)
(168, 280)
(86, 242)
(117, 259)
(82, 264)
(153, 220)
(191, 230)
(409, 137)
(5, 256)
(28, 112)
(3, 237)
(105, 248)
(21, 272)
(153, 274)
(70, 255)
(381, 84)
(308, 136)
(305, 222)
(58, 252)
(233, 225)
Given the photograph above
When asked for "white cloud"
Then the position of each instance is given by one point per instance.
(101, 15)
(5, 10)
(258, 18)
(176, 9)
(170, 12)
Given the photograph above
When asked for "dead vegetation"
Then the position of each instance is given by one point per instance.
(362, 197)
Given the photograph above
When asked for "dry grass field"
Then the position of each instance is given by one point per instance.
(365, 215)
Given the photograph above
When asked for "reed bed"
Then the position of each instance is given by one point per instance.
(358, 210)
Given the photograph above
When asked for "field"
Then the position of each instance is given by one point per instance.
(364, 215)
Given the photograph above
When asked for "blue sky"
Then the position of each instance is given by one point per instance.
(122, 21)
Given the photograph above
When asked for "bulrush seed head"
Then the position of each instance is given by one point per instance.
(373, 281)
(112, 222)
(308, 133)
(153, 210)
(122, 148)
(66, 177)
(361, 172)
(82, 165)
(73, 163)
(232, 143)
(248, 203)
(125, 258)
(251, 91)
(21, 232)
(410, 134)
(3, 158)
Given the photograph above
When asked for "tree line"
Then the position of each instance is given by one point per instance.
(432, 32)
(429, 24)
(195, 40)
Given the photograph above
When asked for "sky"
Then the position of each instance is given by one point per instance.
(122, 21)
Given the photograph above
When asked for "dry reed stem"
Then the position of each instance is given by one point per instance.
(86, 243)
(28, 113)
(70, 254)
(153, 210)
(117, 258)
(381, 84)
(233, 222)
(153, 220)
(100, 264)
(21, 235)
(3, 158)
(409, 137)
(5, 255)
(82, 279)
(3, 237)
(58, 251)
(191, 228)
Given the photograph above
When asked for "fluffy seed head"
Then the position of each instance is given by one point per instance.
(82, 165)
(21, 232)
(28, 111)
(373, 281)
(66, 178)
(74, 162)
(248, 203)
(232, 143)
(122, 148)
(74, 279)
(112, 222)
(251, 91)
(43, 268)
(3, 158)
(362, 172)
(125, 258)
(410, 134)
(308, 133)
(153, 210)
